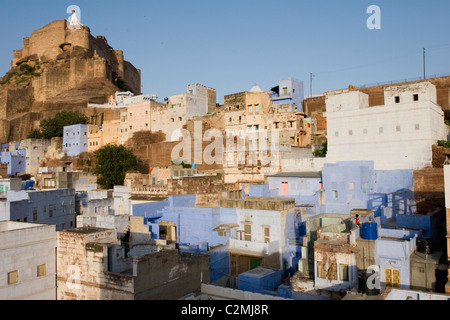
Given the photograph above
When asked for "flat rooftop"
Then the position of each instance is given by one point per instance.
(15, 225)
(259, 203)
(85, 230)
(298, 175)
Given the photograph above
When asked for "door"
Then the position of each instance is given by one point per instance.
(392, 277)
(254, 263)
(284, 188)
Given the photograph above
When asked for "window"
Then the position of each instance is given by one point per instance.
(343, 272)
(336, 134)
(285, 91)
(256, 108)
(332, 272)
(247, 232)
(231, 119)
(416, 97)
(41, 270)
(350, 132)
(284, 188)
(250, 109)
(398, 128)
(266, 234)
(249, 128)
(351, 186)
(397, 99)
(321, 270)
(335, 194)
(417, 126)
(13, 277)
(222, 233)
(380, 130)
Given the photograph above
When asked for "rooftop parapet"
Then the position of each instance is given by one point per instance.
(258, 203)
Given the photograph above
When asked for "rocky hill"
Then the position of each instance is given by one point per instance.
(60, 68)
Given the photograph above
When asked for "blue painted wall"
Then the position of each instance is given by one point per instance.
(295, 93)
(63, 215)
(16, 161)
(150, 210)
(219, 263)
(356, 185)
(303, 190)
(195, 225)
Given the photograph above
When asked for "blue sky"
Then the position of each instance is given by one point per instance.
(230, 45)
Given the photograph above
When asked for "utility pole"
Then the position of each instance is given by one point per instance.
(424, 73)
(311, 80)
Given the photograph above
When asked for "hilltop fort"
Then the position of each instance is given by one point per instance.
(60, 68)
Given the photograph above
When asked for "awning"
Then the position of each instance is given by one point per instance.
(225, 227)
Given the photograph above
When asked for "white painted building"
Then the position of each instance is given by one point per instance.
(28, 261)
(261, 234)
(110, 209)
(397, 135)
(75, 140)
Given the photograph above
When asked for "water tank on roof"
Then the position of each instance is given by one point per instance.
(369, 231)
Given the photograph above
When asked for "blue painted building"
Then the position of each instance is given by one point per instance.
(16, 161)
(393, 251)
(55, 206)
(75, 139)
(289, 91)
(194, 225)
(356, 185)
(219, 230)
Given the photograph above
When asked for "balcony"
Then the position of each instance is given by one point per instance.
(254, 248)
(278, 96)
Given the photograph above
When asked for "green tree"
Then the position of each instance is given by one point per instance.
(322, 152)
(112, 162)
(443, 143)
(35, 134)
(54, 127)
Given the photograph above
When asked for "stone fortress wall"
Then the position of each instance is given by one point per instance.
(68, 59)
